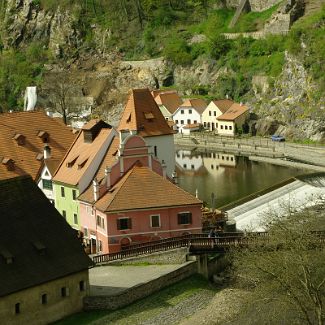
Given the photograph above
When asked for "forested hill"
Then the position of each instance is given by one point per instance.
(39, 37)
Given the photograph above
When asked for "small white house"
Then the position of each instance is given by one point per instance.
(190, 112)
(213, 111)
(168, 102)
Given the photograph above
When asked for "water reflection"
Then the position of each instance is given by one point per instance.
(228, 176)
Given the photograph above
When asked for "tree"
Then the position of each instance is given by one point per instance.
(286, 274)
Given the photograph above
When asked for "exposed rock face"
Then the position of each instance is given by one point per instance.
(255, 5)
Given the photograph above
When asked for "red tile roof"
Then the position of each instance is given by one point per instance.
(198, 104)
(142, 114)
(233, 112)
(223, 104)
(24, 154)
(170, 100)
(142, 188)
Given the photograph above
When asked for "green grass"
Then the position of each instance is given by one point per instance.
(145, 308)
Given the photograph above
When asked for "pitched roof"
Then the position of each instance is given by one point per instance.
(43, 247)
(142, 188)
(27, 155)
(170, 100)
(108, 161)
(82, 153)
(141, 113)
(197, 103)
(223, 104)
(233, 112)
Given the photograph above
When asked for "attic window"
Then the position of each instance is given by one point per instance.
(9, 163)
(40, 247)
(20, 139)
(83, 163)
(44, 136)
(71, 162)
(128, 120)
(7, 256)
(39, 156)
(148, 115)
(115, 153)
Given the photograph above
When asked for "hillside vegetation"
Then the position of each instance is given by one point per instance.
(142, 29)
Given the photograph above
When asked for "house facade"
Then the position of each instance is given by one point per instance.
(233, 120)
(142, 116)
(44, 274)
(189, 113)
(133, 201)
(168, 102)
(213, 111)
(79, 166)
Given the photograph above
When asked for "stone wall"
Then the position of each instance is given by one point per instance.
(175, 256)
(256, 5)
(32, 311)
(140, 291)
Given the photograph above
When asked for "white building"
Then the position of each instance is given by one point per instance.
(168, 102)
(187, 162)
(190, 112)
(213, 111)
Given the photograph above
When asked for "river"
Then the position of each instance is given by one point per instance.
(228, 176)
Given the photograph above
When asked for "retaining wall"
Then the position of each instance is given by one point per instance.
(140, 291)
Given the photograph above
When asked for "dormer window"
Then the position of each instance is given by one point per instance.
(39, 157)
(148, 116)
(83, 163)
(9, 163)
(128, 120)
(6, 255)
(44, 136)
(40, 247)
(71, 162)
(20, 139)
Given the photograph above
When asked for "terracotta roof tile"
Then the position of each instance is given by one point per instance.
(170, 100)
(233, 112)
(79, 157)
(29, 124)
(142, 188)
(140, 102)
(223, 104)
(197, 103)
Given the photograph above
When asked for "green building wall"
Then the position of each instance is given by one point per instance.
(67, 203)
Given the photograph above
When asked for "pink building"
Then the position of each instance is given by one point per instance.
(132, 200)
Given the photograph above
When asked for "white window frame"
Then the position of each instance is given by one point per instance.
(153, 215)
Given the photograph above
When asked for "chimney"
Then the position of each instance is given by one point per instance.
(197, 193)
(227, 96)
(96, 189)
(47, 152)
(164, 168)
(241, 104)
(108, 171)
(174, 177)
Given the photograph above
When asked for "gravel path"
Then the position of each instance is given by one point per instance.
(185, 308)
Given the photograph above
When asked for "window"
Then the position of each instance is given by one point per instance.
(82, 286)
(221, 127)
(192, 166)
(226, 127)
(208, 125)
(195, 121)
(64, 292)
(216, 125)
(64, 214)
(212, 166)
(47, 184)
(230, 127)
(166, 118)
(62, 192)
(232, 158)
(182, 111)
(74, 194)
(100, 221)
(182, 122)
(124, 223)
(184, 218)
(209, 113)
(204, 124)
(155, 151)
(188, 121)
(176, 121)
(215, 113)
(75, 218)
(184, 166)
(17, 308)
(212, 126)
(190, 111)
(44, 299)
(85, 232)
(155, 221)
(100, 246)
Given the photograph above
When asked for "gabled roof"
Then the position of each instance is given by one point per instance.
(30, 127)
(82, 153)
(223, 104)
(34, 237)
(170, 100)
(197, 103)
(142, 188)
(142, 114)
(233, 112)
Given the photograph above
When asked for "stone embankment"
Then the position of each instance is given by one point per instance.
(261, 149)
